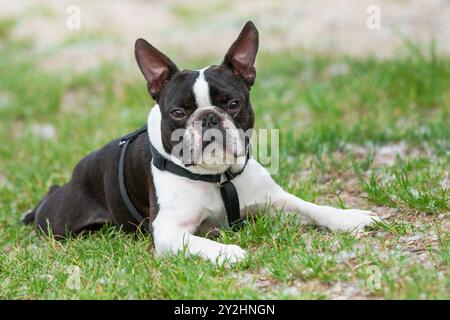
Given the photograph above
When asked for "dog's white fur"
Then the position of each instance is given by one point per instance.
(201, 90)
(188, 208)
(213, 157)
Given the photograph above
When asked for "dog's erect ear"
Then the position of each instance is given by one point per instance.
(156, 67)
(242, 53)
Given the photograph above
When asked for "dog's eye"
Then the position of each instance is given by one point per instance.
(234, 105)
(177, 113)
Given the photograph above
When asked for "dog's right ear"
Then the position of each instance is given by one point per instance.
(156, 67)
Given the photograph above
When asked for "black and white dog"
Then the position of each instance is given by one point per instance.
(178, 208)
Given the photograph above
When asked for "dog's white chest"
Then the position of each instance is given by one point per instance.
(189, 202)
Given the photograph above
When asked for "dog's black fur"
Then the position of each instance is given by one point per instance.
(92, 198)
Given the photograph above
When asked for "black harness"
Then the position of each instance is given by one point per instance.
(227, 189)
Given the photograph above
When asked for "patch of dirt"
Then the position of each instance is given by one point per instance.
(346, 291)
(335, 182)
(387, 154)
(75, 101)
(191, 28)
(336, 291)
(412, 248)
(44, 131)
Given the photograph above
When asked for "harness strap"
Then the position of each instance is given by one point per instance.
(164, 164)
(124, 142)
(231, 202)
(227, 189)
(131, 136)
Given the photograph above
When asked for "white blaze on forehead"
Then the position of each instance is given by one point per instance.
(201, 90)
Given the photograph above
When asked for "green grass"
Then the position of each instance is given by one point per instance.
(322, 113)
(428, 197)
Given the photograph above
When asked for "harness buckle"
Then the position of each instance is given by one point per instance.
(238, 224)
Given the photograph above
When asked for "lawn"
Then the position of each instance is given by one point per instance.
(354, 132)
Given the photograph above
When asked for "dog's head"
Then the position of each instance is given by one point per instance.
(206, 115)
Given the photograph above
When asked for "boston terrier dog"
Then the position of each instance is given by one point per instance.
(178, 208)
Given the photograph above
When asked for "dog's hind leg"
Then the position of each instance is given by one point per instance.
(29, 216)
(70, 211)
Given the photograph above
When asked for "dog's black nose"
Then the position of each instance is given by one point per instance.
(210, 120)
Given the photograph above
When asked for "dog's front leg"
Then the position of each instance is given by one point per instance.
(331, 218)
(172, 237)
(257, 187)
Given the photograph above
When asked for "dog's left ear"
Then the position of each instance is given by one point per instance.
(241, 56)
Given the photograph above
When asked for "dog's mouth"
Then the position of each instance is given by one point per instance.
(212, 150)
(218, 147)
(209, 143)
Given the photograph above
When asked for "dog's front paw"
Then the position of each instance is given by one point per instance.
(352, 220)
(229, 255)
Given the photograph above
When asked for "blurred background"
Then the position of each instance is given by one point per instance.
(192, 28)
